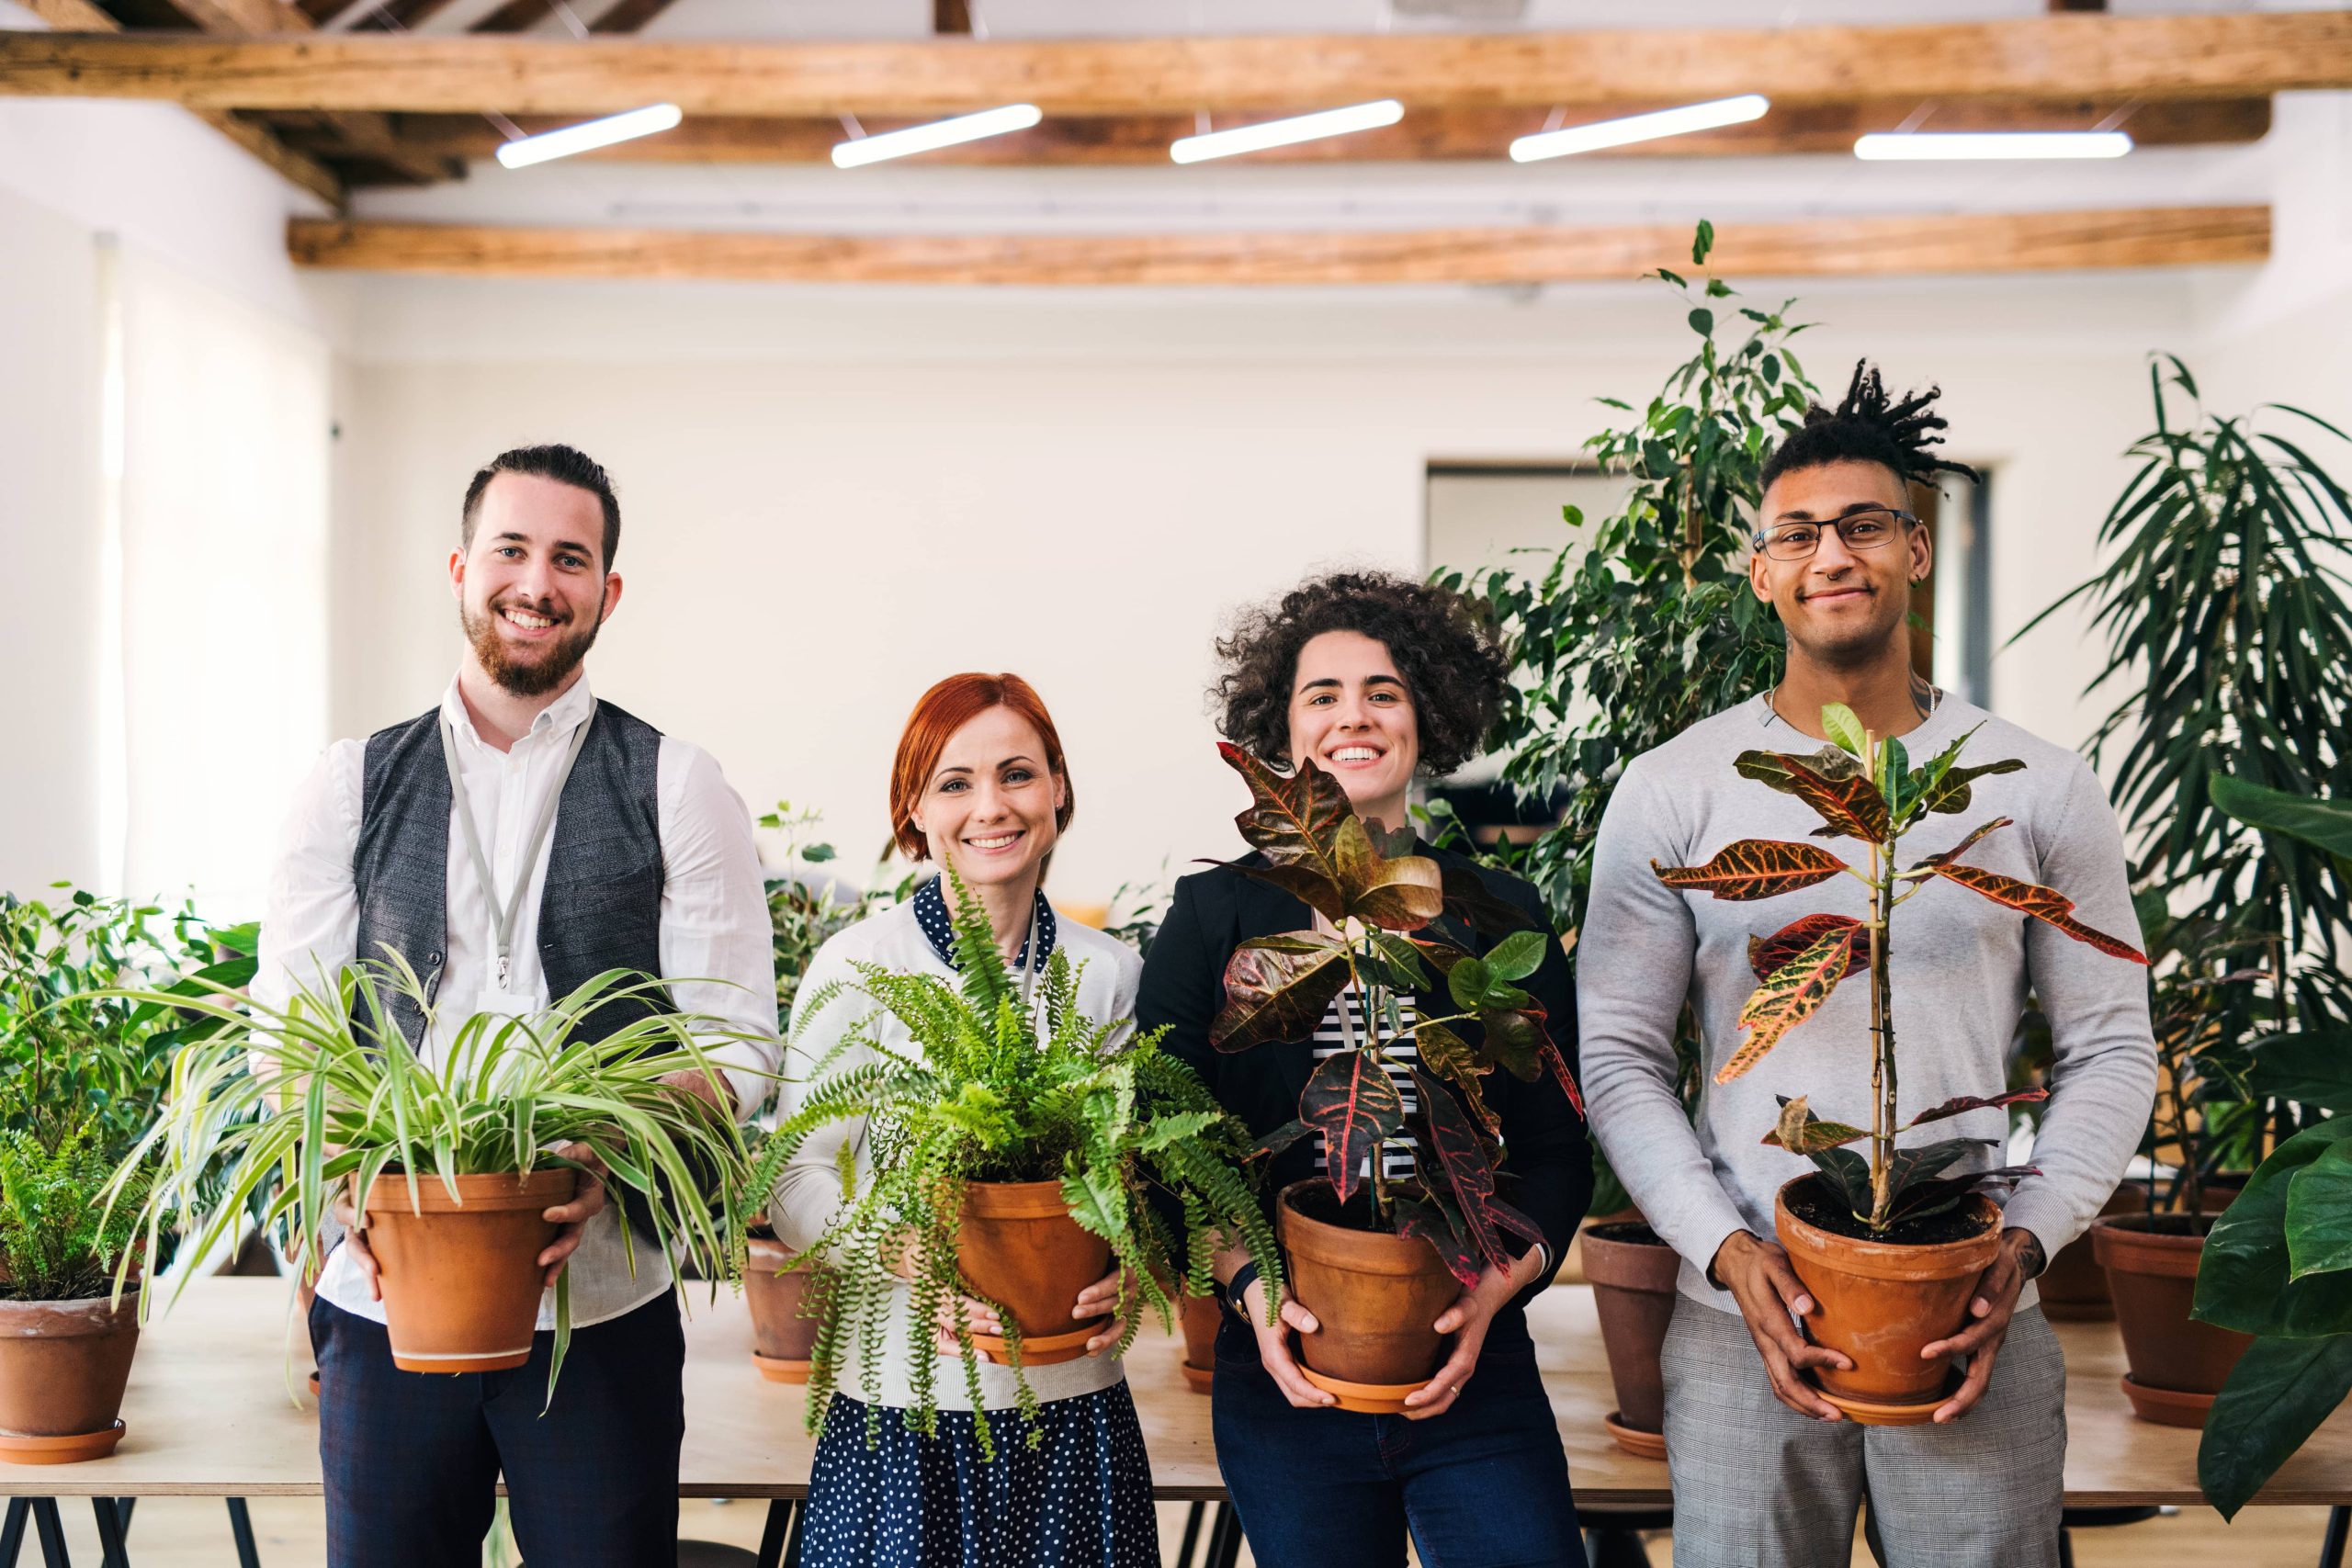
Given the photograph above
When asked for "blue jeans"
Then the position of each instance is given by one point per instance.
(1484, 1485)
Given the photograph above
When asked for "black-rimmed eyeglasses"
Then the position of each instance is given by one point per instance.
(1863, 530)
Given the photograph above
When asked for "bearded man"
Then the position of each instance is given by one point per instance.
(510, 844)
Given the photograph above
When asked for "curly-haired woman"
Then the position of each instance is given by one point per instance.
(1377, 679)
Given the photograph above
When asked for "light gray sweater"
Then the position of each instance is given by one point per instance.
(1960, 966)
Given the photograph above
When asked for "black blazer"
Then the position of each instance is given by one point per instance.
(1547, 1165)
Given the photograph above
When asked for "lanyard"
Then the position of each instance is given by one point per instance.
(503, 915)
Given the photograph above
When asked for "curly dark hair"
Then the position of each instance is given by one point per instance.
(1443, 643)
(1869, 428)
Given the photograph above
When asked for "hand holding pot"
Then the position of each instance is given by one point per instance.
(1994, 1303)
(1273, 1345)
(587, 1202)
(1467, 1320)
(1108, 1294)
(1757, 1273)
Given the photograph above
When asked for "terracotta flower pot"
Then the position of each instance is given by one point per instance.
(1633, 1274)
(462, 1276)
(1198, 1317)
(2177, 1364)
(63, 1366)
(781, 1336)
(1881, 1303)
(1375, 1295)
(2074, 1288)
(1019, 1248)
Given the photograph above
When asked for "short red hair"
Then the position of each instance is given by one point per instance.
(946, 708)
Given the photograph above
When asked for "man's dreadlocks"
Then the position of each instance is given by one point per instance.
(1869, 428)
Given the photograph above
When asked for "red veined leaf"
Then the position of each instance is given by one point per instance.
(1442, 1230)
(2045, 904)
(1354, 1104)
(1400, 894)
(1800, 1132)
(1926, 867)
(1754, 868)
(1768, 953)
(1793, 993)
(1304, 883)
(1832, 781)
(1280, 1138)
(1278, 987)
(1960, 1103)
(1470, 1174)
(1394, 843)
(1291, 820)
(1514, 1040)
(1559, 1066)
(1448, 1054)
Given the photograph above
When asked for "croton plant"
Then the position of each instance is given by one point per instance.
(1392, 921)
(1865, 787)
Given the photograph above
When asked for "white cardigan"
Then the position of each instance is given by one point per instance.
(807, 1194)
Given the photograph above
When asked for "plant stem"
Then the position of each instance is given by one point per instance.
(1883, 1084)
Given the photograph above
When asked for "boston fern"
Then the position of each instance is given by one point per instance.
(1865, 787)
(992, 1089)
(59, 1239)
(1381, 904)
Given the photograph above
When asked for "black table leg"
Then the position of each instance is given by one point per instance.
(2339, 1525)
(241, 1526)
(1193, 1513)
(791, 1541)
(52, 1533)
(112, 1552)
(1225, 1538)
(12, 1532)
(772, 1535)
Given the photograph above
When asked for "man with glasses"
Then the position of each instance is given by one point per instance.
(1765, 1469)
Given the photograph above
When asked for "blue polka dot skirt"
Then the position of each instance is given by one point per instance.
(1081, 1498)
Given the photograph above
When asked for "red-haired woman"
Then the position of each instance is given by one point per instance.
(980, 785)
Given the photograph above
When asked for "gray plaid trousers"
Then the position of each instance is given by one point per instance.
(1758, 1486)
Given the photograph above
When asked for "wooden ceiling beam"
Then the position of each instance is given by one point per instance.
(1979, 242)
(2150, 57)
(1422, 135)
(86, 20)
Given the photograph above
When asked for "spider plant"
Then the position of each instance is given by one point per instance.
(325, 1096)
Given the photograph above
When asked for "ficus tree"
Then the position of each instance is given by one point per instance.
(1865, 787)
(1390, 920)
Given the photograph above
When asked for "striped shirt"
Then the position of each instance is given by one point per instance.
(1332, 1038)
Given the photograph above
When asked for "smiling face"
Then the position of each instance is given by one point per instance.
(1843, 607)
(990, 804)
(1352, 712)
(531, 586)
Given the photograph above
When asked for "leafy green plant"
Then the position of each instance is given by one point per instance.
(328, 1103)
(58, 1236)
(2228, 629)
(804, 915)
(1643, 624)
(2278, 1263)
(1379, 899)
(1865, 787)
(991, 1090)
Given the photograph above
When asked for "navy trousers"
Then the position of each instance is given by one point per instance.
(411, 1459)
(1484, 1485)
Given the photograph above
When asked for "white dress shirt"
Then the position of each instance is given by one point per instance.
(714, 936)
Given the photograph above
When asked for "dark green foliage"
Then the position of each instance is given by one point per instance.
(58, 1237)
(995, 1089)
(803, 917)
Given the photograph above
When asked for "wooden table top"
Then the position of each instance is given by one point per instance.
(209, 1415)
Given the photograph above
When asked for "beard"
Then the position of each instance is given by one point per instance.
(539, 671)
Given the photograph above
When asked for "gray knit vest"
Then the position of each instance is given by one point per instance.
(602, 906)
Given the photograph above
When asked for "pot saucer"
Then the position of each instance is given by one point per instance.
(1633, 1440)
(777, 1368)
(1365, 1398)
(1197, 1378)
(2167, 1407)
(1042, 1349)
(18, 1449)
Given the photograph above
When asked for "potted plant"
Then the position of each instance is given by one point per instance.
(81, 1075)
(1889, 1246)
(449, 1165)
(1013, 1147)
(1377, 1260)
(2275, 1265)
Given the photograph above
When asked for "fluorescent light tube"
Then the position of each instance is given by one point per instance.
(589, 135)
(1285, 132)
(1890, 146)
(938, 133)
(1639, 127)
